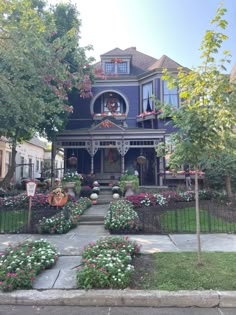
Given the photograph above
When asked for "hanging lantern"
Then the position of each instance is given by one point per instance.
(72, 160)
(141, 159)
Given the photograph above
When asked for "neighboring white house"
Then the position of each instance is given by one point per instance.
(5, 156)
(59, 162)
(33, 160)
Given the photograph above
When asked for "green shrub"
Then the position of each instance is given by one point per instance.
(66, 219)
(121, 216)
(19, 265)
(107, 263)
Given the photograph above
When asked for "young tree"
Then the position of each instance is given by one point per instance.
(35, 74)
(207, 112)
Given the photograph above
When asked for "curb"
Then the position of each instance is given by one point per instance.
(207, 299)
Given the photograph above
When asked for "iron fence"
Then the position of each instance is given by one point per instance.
(180, 217)
(15, 219)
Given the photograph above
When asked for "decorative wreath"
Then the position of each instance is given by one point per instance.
(112, 104)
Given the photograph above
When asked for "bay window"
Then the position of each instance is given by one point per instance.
(146, 94)
(170, 96)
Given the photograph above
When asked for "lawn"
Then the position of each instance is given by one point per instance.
(179, 271)
(13, 220)
(184, 220)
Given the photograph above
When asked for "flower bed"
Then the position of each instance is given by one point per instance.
(20, 265)
(122, 218)
(66, 219)
(107, 263)
(165, 198)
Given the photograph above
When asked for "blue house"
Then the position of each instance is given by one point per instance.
(118, 128)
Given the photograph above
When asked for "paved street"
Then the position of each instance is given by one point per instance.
(75, 310)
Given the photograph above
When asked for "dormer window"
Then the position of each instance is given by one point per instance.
(109, 67)
(116, 66)
(122, 67)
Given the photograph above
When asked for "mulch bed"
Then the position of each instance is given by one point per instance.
(144, 267)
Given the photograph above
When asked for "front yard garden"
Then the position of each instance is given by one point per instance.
(170, 212)
(44, 219)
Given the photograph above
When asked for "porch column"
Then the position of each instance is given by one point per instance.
(92, 147)
(122, 164)
(161, 168)
(155, 167)
(53, 155)
(92, 164)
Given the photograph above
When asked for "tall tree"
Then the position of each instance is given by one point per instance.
(35, 78)
(207, 112)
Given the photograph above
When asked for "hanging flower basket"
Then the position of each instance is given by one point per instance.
(72, 160)
(141, 159)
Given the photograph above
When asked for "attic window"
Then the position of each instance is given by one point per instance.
(122, 67)
(116, 66)
(109, 67)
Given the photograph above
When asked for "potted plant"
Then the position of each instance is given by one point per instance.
(71, 181)
(129, 182)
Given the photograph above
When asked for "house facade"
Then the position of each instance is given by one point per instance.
(33, 160)
(119, 127)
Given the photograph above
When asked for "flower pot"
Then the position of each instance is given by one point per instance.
(70, 187)
(57, 201)
(129, 188)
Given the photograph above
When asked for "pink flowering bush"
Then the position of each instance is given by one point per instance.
(107, 263)
(165, 198)
(19, 265)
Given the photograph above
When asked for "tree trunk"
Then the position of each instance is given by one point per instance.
(198, 227)
(5, 183)
(53, 155)
(228, 186)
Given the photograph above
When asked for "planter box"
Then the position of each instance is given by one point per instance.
(117, 117)
(146, 117)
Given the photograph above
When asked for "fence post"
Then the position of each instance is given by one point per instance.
(176, 221)
(209, 216)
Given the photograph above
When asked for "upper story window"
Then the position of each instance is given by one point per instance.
(116, 66)
(122, 67)
(146, 94)
(109, 67)
(170, 96)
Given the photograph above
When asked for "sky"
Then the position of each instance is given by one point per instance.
(155, 27)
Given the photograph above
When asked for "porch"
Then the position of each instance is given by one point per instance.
(109, 153)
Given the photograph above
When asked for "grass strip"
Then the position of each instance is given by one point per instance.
(179, 271)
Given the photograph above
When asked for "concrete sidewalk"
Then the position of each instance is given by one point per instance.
(57, 285)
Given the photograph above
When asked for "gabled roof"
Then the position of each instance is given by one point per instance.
(107, 124)
(165, 62)
(114, 52)
(140, 62)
